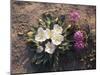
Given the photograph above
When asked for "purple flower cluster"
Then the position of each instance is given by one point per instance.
(79, 40)
(74, 16)
(78, 36)
(79, 45)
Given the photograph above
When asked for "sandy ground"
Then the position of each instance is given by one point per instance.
(24, 16)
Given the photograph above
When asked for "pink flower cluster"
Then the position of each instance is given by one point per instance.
(79, 40)
(74, 16)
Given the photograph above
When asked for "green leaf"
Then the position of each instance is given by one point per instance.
(45, 60)
(33, 60)
(61, 47)
(30, 40)
(48, 21)
(39, 61)
(47, 18)
(65, 44)
(61, 20)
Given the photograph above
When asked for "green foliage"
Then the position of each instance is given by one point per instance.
(41, 58)
(47, 21)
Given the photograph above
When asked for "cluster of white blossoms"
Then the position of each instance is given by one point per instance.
(55, 35)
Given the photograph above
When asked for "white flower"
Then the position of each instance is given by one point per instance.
(50, 48)
(55, 35)
(57, 39)
(40, 36)
(39, 49)
(57, 29)
(48, 33)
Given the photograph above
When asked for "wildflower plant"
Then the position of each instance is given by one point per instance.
(53, 38)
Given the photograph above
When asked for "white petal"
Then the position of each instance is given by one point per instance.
(50, 48)
(57, 39)
(39, 49)
(58, 29)
(48, 33)
(40, 29)
(40, 36)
